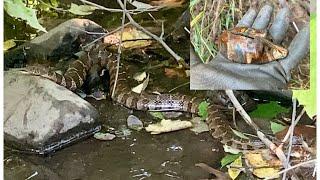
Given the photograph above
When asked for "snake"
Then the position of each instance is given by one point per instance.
(74, 78)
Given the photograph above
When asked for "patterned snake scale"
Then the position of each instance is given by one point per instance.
(75, 75)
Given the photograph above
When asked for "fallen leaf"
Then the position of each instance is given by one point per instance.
(131, 38)
(266, 172)
(140, 76)
(263, 163)
(81, 10)
(276, 127)
(141, 87)
(8, 44)
(234, 172)
(168, 126)
(229, 159)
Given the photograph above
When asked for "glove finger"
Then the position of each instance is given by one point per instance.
(298, 48)
(280, 25)
(263, 18)
(248, 18)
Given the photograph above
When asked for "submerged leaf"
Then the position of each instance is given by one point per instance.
(168, 126)
(81, 10)
(229, 159)
(17, 9)
(268, 110)
(203, 110)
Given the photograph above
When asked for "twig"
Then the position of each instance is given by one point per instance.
(294, 124)
(134, 23)
(293, 118)
(118, 10)
(179, 86)
(277, 150)
(106, 34)
(220, 175)
(119, 46)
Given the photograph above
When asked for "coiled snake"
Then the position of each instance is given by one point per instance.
(78, 70)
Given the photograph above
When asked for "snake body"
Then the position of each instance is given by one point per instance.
(78, 70)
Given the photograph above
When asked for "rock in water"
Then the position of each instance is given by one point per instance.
(134, 123)
(41, 116)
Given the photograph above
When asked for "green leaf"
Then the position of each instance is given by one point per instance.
(81, 10)
(275, 127)
(203, 110)
(158, 115)
(8, 44)
(229, 159)
(307, 98)
(268, 110)
(17, 9)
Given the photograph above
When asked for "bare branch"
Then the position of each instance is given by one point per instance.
(119, 46)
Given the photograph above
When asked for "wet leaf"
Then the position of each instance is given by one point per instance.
(234, 172)
(239, 134)
(229, 159)
(17, 9)
(104, 136)
(81, 10)
(158, 115)
(276, 127)
(141, 87)
(266, 172)
(8, 44)
(140, 76)
(268, 110)
(203, 110)
(168, 126)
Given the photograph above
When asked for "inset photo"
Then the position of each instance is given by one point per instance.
(250, 45)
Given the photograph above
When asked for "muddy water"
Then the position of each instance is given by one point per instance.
(135, 156)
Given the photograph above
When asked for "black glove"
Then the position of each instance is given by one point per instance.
(221, 73)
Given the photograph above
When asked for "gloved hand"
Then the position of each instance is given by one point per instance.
(221, 73)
